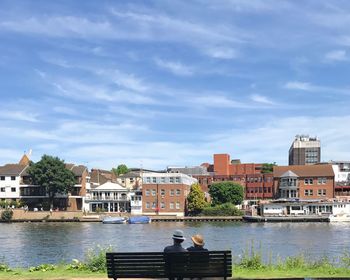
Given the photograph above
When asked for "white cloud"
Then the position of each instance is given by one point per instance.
(176, 68)
(221, 52)
(299, 86)
(217, 101)
(19, 116)
(261, 99)
(336, 55)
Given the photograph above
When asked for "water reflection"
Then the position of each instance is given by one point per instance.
(26, 244)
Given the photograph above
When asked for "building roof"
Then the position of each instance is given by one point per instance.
(78, 170)
(110, 187)
(12, 169)
(130, 174)
(289, 174)
(193, 170)
(305, 170)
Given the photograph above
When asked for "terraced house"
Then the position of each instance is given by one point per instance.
(16, 185)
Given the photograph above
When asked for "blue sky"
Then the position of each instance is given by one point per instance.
(158, 83)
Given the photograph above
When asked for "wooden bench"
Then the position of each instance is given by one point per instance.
(169, 265)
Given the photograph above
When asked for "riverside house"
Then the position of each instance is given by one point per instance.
(306, 182)
(165, 193)
(16, 185)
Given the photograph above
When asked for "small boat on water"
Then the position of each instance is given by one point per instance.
(339, 218)
(114, 220)
(139, 220)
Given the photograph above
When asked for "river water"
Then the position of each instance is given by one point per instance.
(28, 244)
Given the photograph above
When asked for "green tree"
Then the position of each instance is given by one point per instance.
(267, 167)
(51, 174)
(224, 192)
(196, 200)
(121, 169)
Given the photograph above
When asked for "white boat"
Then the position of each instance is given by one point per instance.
(114, 220)
(339, 218)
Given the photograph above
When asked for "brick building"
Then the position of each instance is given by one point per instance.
(256, 184)
(304, 181)
(165, 193)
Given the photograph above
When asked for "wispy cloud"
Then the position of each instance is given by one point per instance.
(19, 116)
(175, 67)
(336, 55)
(299, 86)
(262, 99)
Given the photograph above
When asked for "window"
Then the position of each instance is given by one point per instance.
(153, 192)
(171, 179)
(321, 181)
(2, 189)
(162, 192)
(131, 180)
(147, 192)
(147, 205)
(172, 192)
(177, 180)
(171, 205)
(154, 179)
(177, 205)
(321, 192)
(13, 178)
(178, 192)
(162, 205)
(2, 178)
(308, 192)
(162, 179)
(153, 205)
(308, 181)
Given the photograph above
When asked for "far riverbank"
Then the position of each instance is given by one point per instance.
(20, 215)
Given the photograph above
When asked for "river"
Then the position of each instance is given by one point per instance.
(28, 244)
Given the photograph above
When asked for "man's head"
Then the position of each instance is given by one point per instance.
(178, 236)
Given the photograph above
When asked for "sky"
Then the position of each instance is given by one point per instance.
(164, 83)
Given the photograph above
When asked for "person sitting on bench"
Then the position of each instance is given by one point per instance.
(198, 243)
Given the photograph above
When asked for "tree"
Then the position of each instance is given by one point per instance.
(121, 169)
(196, 200)
(267, 167)
(226, 192)
(51, 174)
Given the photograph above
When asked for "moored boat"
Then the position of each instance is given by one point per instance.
(339, 218)
(139, 220)
(114, 220)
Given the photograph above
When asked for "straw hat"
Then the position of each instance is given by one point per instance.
(198, 239)
(179, 235)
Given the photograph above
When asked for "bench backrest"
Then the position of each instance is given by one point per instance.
(168, 265)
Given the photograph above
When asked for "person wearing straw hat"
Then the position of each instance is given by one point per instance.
(198, 243)
(178, 238)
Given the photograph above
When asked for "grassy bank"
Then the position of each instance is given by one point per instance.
(247, 266)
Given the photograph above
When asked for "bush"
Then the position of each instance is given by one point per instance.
(226, 209)
(4, 267)
(76, 265)
(42, 268)
(95, 259)
(6, 215)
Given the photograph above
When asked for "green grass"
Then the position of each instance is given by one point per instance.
(59, 273)
(245, 273)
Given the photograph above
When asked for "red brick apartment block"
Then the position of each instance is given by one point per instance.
(304, 181)
(256, 184)
(164, 198)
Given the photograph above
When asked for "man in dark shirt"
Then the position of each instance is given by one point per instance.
(178, 238)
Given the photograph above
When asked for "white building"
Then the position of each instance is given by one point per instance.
(108, 197)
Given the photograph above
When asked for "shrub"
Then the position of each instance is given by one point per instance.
(252, 259)
(6, 215)
(226, 209)
(42, 268)
(95, 259)
(4, 267)
(76, 265)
